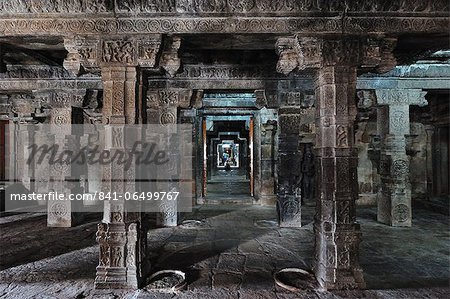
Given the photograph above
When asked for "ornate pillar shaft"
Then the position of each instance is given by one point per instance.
(118, 234)
(60, 212)
(337, 233)
(394, 199)
(289, 177)
(335, 62)
(162, 109)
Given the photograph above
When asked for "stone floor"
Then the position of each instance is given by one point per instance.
(230, 252)
(228, 187)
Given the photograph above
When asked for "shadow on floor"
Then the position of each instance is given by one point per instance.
(30, 239)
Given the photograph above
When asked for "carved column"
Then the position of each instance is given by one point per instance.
(337, 233)
(394, 199)
(122, 234)
(335, 61)
(162, 108)
(118, 234)
(61, 179)
(22, 110)
(289, 170)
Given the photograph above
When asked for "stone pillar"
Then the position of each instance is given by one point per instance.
(335, 61)
(22, 110)
(337, 233)
(430, 132)
(59, 213)
(289, 170)
(118, 234)
(162, 109)
(268, 135)
(394, 199)
(168, 215)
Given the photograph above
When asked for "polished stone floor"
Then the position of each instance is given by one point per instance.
(227, 252)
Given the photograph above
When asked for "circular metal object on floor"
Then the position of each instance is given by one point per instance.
(167, 281)
(266, 223)
(190, 223)
(294, 279)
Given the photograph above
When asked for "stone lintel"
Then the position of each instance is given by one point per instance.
(402, 83)
(401, 97)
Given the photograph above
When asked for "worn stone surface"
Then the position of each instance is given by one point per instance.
(394, 198)
(397, 262)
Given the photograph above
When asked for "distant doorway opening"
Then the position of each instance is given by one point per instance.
(228, 167)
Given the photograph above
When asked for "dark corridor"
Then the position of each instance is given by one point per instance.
(228, 160)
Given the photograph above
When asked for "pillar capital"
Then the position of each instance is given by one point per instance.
(401, 97)
(302, 53)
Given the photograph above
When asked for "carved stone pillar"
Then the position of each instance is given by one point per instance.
(162, 108)
(22, 110)
(118, 234)
(289, 170)
(394, 199)
(60, 212)
(337, 233)
(335, 61)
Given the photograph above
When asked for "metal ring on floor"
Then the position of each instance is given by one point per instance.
(172, 289)
(289, 270)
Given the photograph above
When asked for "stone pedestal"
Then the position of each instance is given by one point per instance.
(394, 198)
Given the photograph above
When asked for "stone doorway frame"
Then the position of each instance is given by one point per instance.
(250, 145)
(254, 113)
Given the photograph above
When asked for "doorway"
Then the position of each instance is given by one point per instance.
(228, 156)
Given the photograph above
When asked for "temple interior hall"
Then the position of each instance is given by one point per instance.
(224, 149)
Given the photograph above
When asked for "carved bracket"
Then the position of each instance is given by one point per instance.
(170, 61)
(309, 53)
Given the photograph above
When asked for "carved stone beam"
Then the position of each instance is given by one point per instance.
(394, 200)
(92, 54)
(60, 98)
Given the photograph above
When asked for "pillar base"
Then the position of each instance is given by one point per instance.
(345, 279)
(337, 266)
(114, 278)
(289, 211)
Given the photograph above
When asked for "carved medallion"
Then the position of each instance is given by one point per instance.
(59, 209)
(168, 118)
(400, 167)
(401, 212)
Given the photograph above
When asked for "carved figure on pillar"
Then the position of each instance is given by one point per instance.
(308, 173)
